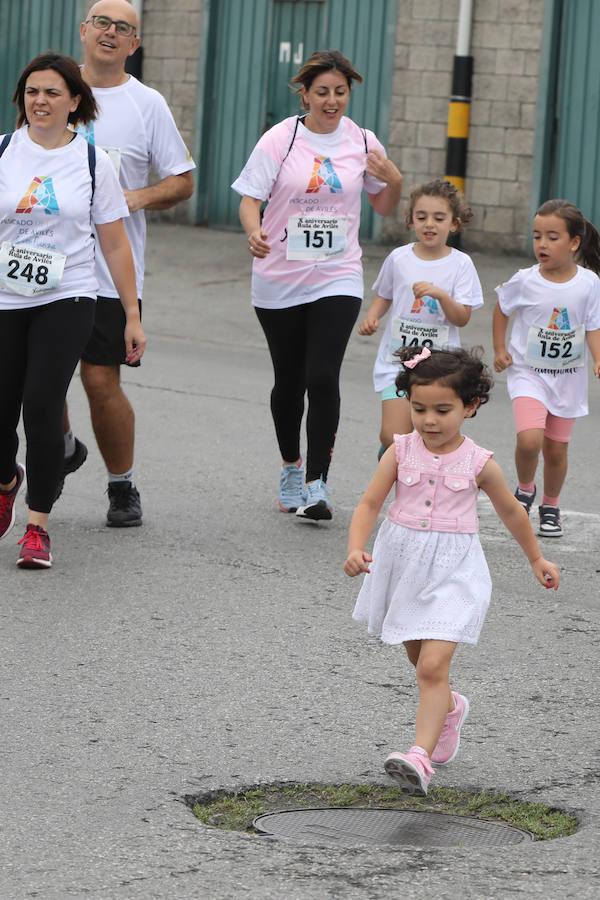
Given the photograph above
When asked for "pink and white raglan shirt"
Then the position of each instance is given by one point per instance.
(415, 322)
(313, 215)
(547, 341)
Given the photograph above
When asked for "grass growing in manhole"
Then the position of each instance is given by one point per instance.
(236, 811)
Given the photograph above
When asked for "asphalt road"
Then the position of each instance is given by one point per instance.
(214, 647)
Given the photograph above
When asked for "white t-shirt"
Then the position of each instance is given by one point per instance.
(544, 310)
(136, 128)
(454, 273)
(322, 178)
(45, 203)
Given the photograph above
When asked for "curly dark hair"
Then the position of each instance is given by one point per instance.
(461, 211)
(461, 370)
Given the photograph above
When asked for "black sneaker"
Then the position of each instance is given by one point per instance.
(125, 509)
(525, 499)
(550, 524)
(71, 464)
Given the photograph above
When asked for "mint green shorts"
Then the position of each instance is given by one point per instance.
(389, 393)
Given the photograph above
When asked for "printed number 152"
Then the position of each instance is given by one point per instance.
(317, 238)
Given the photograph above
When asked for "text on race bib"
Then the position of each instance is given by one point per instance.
(414, 334)
(548, 348)
(316, 237)
(27, 271)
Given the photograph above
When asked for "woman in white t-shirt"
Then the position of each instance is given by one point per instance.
(555, 308)
(52, 190)
(429, 289)
(307, 282)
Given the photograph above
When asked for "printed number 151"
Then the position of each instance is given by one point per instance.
(317, 238)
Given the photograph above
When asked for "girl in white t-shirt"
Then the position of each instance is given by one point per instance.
(53, 190)
(307, 281)
(431, 289)
(555, 308)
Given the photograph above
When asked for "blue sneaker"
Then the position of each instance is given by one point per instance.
(317, 505)
(291, 487)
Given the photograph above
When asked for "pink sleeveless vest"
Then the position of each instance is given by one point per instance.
(437, 493)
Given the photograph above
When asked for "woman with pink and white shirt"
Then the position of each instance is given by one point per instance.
(307, 280)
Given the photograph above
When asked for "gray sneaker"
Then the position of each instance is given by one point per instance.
(125, 508)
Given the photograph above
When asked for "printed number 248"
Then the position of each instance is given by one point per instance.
(40, 275)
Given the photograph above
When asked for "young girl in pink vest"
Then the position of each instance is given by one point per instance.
(427, 583)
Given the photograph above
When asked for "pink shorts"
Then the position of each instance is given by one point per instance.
(531, 413)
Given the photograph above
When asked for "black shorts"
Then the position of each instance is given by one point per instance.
(106, 346)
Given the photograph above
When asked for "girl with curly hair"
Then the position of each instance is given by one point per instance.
(427, 583)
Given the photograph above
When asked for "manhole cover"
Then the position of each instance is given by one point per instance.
(348, 827)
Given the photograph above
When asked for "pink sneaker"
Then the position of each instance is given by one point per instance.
(35, 549)
(7, 503)
(449, 740)
(412, 771)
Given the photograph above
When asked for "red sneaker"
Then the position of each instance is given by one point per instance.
(35, 549)
(7, 504)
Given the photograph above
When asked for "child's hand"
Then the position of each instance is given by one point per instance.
(357, 563)
(547, 573)
(425, 288)
(597, 368)
(502, 360)
(369, 325)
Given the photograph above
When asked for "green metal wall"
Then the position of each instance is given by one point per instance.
(248, 66)
(574, 171)
(28, 27)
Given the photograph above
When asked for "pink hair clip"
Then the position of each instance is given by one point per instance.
(411, 363)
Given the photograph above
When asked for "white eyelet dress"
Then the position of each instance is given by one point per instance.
(429, 579)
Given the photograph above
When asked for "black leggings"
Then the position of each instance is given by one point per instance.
(307, 345)
(40, 349)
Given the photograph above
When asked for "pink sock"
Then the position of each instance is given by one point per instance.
(529, 488)
(550, 501)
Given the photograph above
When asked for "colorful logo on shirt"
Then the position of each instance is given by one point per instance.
(559, 320)
(39, 193)
(323, 175)
(87, 131)
(426, 302)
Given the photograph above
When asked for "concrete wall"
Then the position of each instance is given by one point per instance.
(506, 48)
(172, 38)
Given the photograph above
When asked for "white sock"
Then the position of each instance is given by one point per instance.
(126, 476)
(69, 444)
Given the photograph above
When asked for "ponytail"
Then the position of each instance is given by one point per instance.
(589, 250)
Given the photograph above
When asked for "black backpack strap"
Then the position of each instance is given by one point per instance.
(5, 142)
(92, 164)
(298, 120)
(364, 133)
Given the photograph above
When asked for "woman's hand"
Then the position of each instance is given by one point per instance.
(257, 243)
(369, 325)
(382, 168)
(502, 360)
(357, 563)
(547, 573)
(135, 341)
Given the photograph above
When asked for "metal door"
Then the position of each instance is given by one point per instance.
(28, 27)
(298, 28)
(577, 151)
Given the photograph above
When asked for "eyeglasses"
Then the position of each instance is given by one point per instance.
(103, 23)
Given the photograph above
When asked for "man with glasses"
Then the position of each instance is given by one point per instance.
(136, 128)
